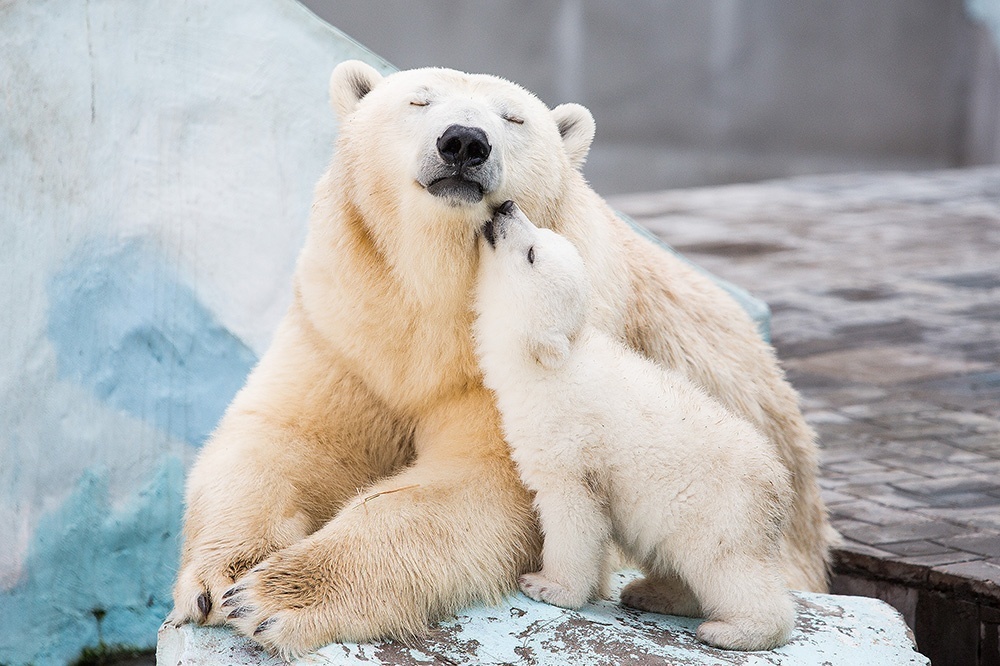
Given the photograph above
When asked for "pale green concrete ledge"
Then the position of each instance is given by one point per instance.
(831, 630)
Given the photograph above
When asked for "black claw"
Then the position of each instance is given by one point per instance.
(237, 613)
(233, 590)
(263, 626)
(228, 603)
(204, 603)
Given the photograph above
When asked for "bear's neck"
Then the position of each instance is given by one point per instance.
(429, 261)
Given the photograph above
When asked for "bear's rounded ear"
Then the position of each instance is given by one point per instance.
(576, 126)
(351, 80)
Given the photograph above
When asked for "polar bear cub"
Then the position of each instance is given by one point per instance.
(619, 449)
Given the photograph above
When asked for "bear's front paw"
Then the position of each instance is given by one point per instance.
(200, 584)
(256, 607)
(541, 588)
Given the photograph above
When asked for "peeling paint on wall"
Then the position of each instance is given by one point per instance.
(124, 327)
(95, 572)
(157, 161)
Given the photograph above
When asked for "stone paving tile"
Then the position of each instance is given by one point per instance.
(986, 467)
(832, 497)
(886, 496)
(984, 544)
(917, 527)
(870, 512)
(927, 467)
(948, 557)
(855, 467)
(972, 483)
(917, 548)
(978, 519)
(885, 294)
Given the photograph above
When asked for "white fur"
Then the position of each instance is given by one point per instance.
(618, 448)
(359, 485)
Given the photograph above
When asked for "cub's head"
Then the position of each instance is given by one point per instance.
(448, 146)
(532, 290)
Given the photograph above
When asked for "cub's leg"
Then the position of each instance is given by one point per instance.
(576, 532)
(744, 599)
(663, 593)
(453, 528)
(296, 443)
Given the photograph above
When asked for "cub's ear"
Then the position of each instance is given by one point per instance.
(351, 80)
(576, 126)
(549, 349)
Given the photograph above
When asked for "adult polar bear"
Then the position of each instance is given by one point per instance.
(358, 486)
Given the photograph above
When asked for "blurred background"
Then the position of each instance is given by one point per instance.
(700, 92)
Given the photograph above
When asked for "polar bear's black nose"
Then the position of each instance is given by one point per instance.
(464, 146)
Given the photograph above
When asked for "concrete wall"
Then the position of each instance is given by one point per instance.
(157, 160)
(710, 91)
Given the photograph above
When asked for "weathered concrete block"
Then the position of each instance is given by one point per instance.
(833, 630)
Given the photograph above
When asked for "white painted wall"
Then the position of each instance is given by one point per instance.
(157, 160)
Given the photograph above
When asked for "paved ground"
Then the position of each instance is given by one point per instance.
(885, 291)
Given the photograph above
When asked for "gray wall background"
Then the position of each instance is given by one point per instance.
(697, 92)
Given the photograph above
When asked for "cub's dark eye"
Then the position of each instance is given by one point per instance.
(419, 102)
(513, 119)
(531, 255)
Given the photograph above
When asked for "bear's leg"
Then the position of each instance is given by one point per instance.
(663, 593)
(576, 532)
(297, 442)
(454, 528)
(744, 599)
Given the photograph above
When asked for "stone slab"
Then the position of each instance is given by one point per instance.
(831, 629)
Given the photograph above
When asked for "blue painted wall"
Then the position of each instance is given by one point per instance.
(157, 160)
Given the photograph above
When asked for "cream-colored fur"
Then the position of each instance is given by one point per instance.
(358, 486)
(618, 449)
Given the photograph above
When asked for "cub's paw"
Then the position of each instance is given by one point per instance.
(742, 635)
(667, 596)
(541, 588)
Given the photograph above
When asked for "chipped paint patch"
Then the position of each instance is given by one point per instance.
(830, 629)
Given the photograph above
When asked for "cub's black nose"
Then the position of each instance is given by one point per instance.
(464, 146)
(506, 208)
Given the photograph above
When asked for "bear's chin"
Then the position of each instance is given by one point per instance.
(457, 191)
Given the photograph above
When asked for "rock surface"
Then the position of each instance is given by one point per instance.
(834, 630)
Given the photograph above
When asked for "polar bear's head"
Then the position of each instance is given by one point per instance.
(438, 144)
(531, 293)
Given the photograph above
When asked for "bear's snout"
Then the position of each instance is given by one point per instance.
(458, 166)
(464, 146)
